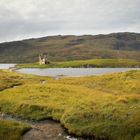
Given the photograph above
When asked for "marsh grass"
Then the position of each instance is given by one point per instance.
(10, 130)
(105, 107)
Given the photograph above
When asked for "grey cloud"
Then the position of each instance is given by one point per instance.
(31, 18)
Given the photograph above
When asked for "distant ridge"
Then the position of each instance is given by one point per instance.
(71, 47)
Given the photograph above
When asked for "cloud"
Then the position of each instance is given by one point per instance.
(32, 18)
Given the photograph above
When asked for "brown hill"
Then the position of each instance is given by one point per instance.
(70, 47)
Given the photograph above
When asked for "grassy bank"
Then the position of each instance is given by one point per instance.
(105, 107)
(10, 130)
(86, 63)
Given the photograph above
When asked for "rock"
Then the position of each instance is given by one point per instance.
(3, 115)
(43, 81)
(71, 138)
(59, 135)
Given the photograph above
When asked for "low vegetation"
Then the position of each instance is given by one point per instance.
(86, 63)
(104, 107)
(9, 80)
(10, 130)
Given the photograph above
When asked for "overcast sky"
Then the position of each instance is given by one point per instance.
(21, 19)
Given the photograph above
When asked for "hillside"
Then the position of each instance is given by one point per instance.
(116, 45)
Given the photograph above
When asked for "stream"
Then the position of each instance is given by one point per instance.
(43, 130)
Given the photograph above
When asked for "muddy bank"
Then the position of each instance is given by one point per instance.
(43, 130)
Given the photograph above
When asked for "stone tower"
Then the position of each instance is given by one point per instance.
(43, 59)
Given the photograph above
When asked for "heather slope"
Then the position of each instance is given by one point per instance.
(117, 45)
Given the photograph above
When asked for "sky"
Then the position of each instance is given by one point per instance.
(22, 19)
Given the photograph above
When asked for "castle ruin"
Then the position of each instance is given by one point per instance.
(43, 59)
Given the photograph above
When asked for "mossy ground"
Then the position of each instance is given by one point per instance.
(106, 107)
(86, 63)
(10, 130)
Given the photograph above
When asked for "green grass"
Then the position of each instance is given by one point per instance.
(8, 80)
(10, 130)
(86, 63)
(106, 107)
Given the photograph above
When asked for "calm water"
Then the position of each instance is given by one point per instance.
(73, 72)
(70, 72)
(6, 66)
